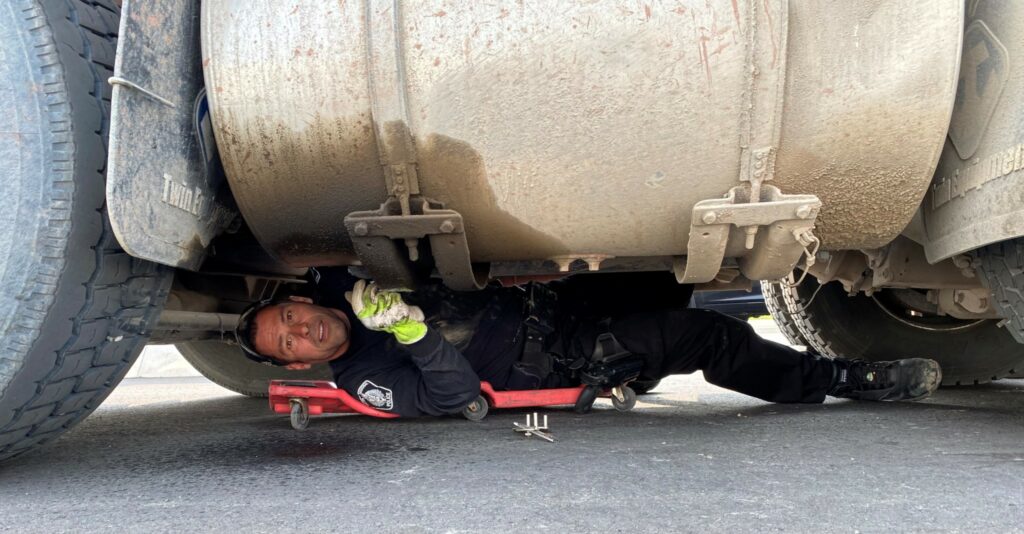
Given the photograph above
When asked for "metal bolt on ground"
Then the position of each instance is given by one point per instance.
(535, 429)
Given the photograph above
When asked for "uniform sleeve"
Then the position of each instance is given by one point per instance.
(436, 379)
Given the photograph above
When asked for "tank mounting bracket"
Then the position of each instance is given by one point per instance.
(716, 223)
(376, 235)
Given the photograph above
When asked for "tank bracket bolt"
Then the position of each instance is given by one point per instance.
(803, 212)
(447, 227)
(709, 217)
(361, 229)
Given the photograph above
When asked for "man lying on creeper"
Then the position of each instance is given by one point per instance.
(386, 352)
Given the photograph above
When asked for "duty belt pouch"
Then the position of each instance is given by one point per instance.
(538, 327)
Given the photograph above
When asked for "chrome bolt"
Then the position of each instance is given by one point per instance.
(361, 229)
(447, 227)
(709, 217)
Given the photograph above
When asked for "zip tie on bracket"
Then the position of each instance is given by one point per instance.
(807, 239)
(811, 244)
(117, 80)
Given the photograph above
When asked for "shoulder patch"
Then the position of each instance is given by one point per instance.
(376, 396)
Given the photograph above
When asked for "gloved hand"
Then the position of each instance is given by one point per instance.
(385, 311)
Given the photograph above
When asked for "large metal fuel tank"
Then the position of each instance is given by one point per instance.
(576, 128)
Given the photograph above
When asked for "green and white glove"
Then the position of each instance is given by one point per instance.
(385, 311)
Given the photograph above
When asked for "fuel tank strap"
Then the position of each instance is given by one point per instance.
(389, 103)
(765, 76)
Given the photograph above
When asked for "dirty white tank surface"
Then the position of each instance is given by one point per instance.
(576, 128)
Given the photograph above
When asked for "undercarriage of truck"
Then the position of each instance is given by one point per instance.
(169, 162)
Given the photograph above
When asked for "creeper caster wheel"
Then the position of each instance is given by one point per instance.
(477, 410)
(586, 399)
(623, 398)
(299, 414)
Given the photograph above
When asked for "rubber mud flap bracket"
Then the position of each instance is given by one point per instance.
(377, 236)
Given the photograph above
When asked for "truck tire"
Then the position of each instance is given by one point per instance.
(1002, 270)
(75, 310)
(876, 328)
(775, 301)
(226, 366)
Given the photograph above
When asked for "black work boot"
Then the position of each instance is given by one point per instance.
(908, 379)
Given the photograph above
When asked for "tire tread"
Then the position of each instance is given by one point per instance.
(1002, 270)
(120, 296)
(774, 300)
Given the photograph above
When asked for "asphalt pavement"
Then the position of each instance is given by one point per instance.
(183, 454)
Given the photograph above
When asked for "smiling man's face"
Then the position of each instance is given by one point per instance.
(300, 333)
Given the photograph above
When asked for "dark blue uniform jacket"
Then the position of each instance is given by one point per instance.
(432, 376)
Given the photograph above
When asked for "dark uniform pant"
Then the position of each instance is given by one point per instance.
(727, 350)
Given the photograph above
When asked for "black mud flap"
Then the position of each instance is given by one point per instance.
(165, 188)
